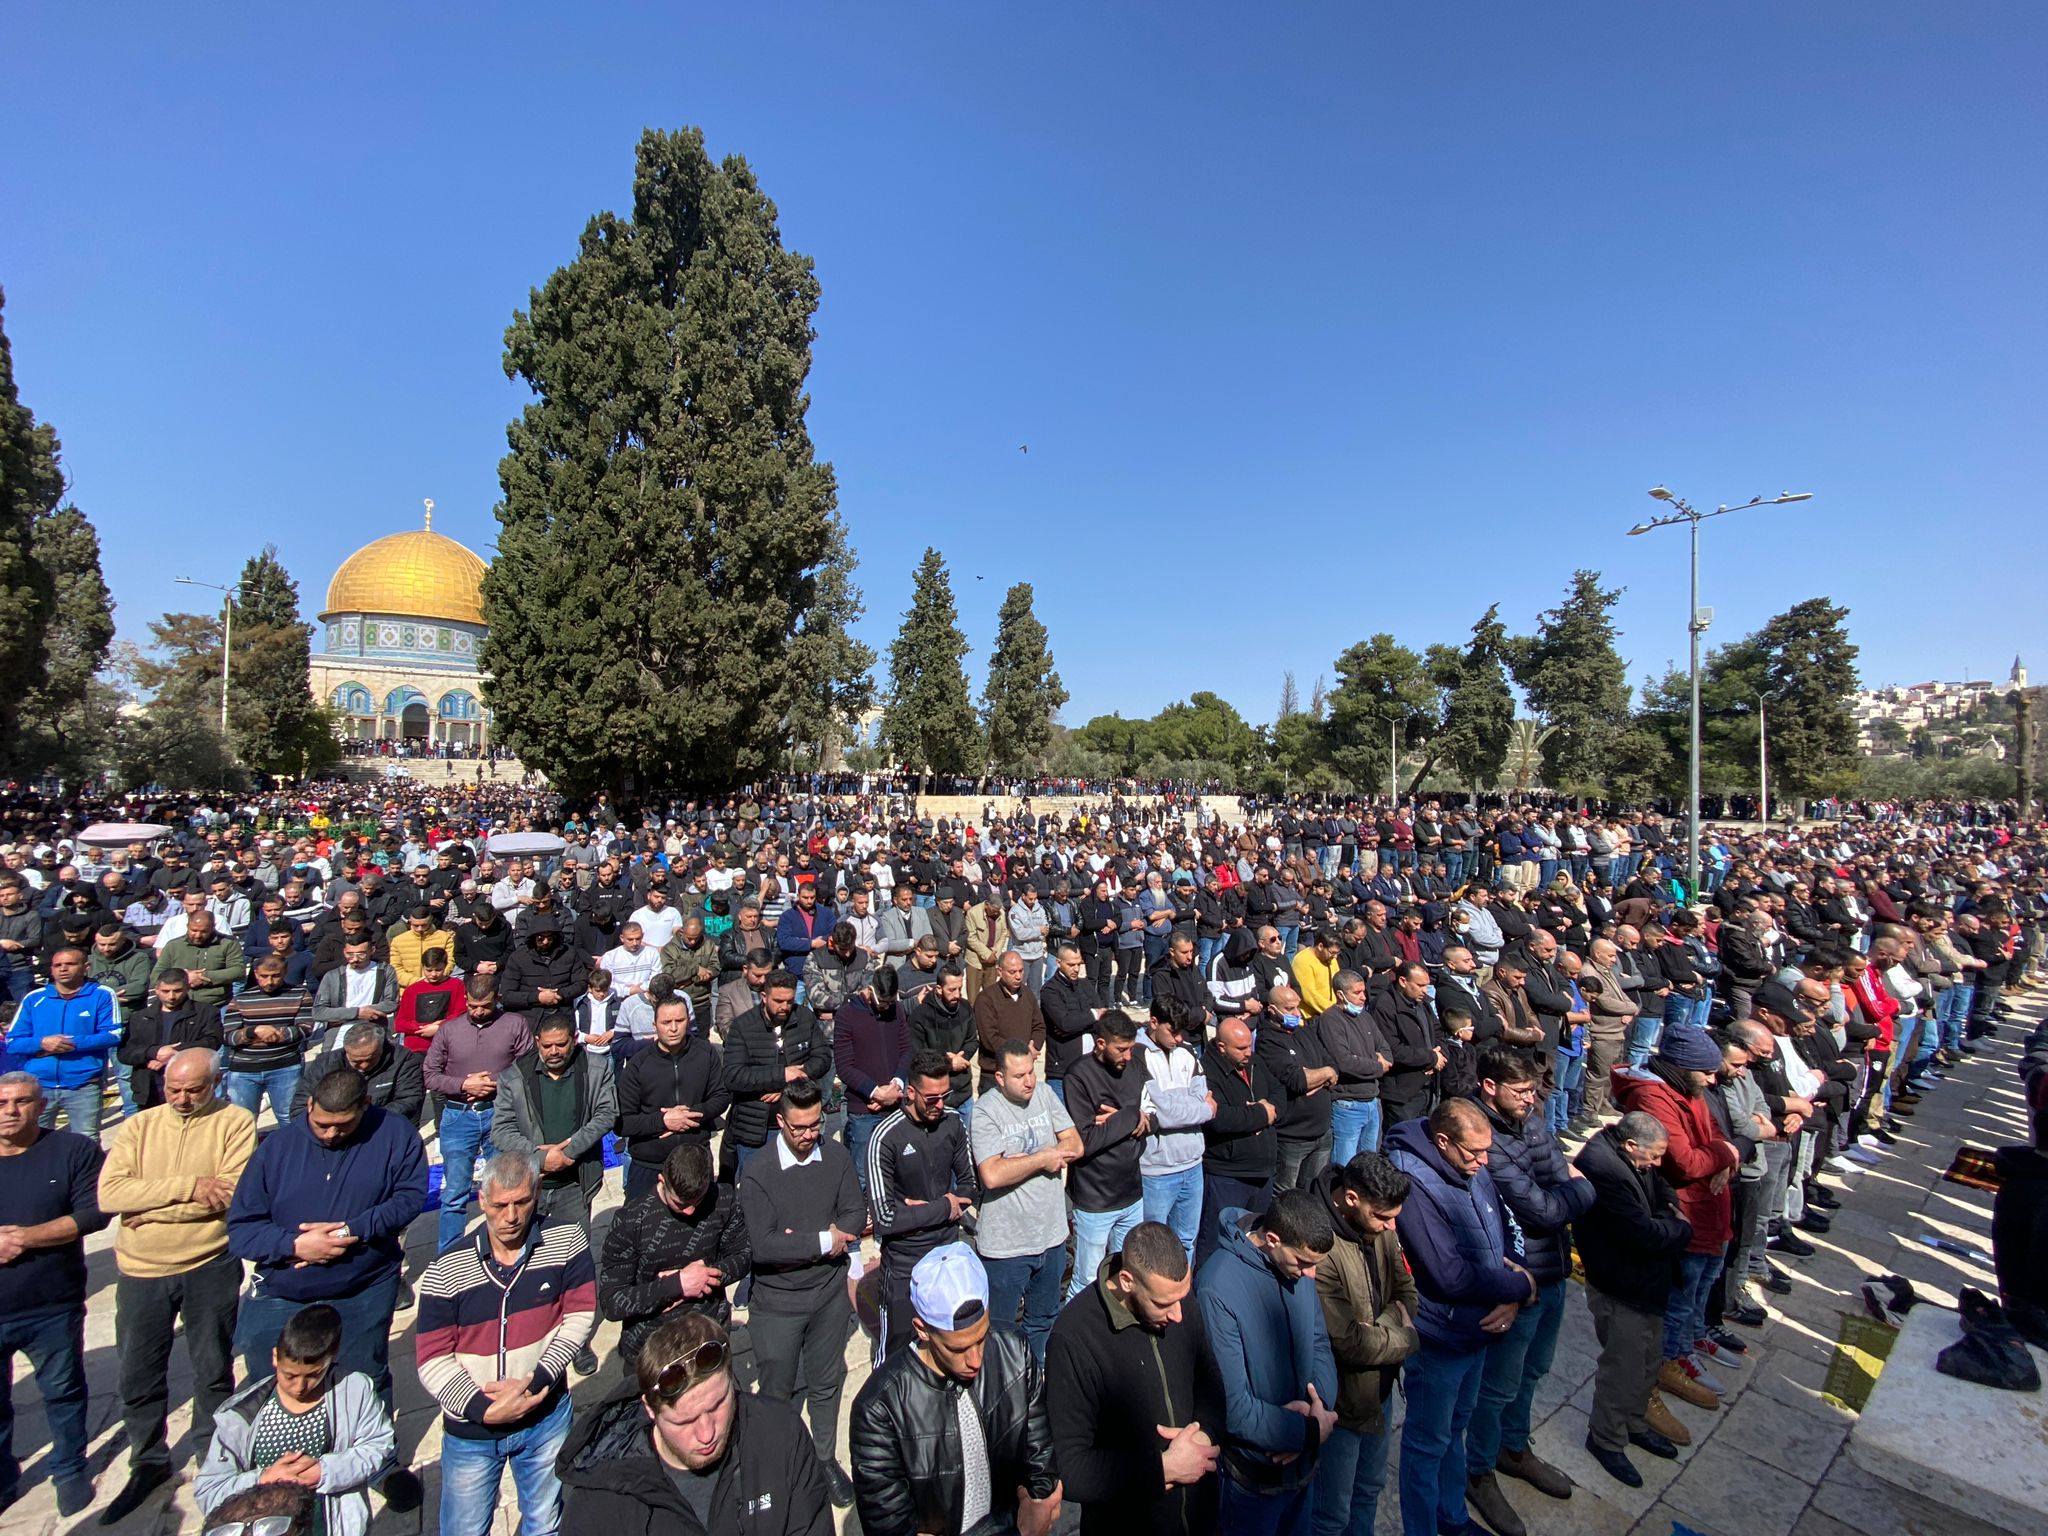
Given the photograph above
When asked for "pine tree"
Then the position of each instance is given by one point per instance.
(1023, 693)
(1290, 698)
(1809, 677)
(65, 719)
(275, 724)
(1576, 683)
(1318, 698)
(1478, 708)
(831, 674)
(667, 534)
(929, 722)
(1382, 693)
(31, 486)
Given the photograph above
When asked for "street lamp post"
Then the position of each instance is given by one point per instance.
(1696, 624)
(1763, 765)
(227, 635)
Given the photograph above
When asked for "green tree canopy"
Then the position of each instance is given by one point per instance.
(66, 717)
(275, 725)
(928, 720)
(1023, 694)
(1476, 707)
(1383, 690)
(666, 528)
(831, 675)
(1575, 683)
(31, 487)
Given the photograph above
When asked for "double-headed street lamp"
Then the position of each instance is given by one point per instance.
(1697, 619)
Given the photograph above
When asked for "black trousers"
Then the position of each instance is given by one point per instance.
(146, 1314)
(811, 1345)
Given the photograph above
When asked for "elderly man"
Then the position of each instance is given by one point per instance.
(396, 1077)
(170, 1177)
(501, 1318)
(49, 1203)
(1613, 1011)
(1007, 1010)
(1629, 1241)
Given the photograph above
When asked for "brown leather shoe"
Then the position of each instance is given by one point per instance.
(1484, 1499)
(1665, 1422)
(1535, 1471)
(1675, 1379)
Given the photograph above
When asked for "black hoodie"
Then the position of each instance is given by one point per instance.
(530, 970)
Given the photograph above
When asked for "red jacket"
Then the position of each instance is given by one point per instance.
(1875, 1002)
(1697, 1151)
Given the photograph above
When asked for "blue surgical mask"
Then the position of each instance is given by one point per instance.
(1354, 1009)
(1290, 1021)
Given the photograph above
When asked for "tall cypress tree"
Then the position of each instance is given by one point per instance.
(31, 486)
(665, 523)
(929, 721)
(1022, 693)
(1576, 684)
(65, 719)
(275, 723)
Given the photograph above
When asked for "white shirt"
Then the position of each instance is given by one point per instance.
(361, 986)
(636, 1013)
(658, 927)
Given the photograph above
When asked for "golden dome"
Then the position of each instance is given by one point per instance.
(416, 575)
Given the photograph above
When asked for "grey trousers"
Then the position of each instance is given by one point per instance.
(813, 1344)
(1751, 1213)
(1631, 1354)
(1603, 1050)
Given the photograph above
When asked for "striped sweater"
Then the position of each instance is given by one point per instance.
(481, 1321)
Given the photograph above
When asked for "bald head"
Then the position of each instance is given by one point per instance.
(189, 1080)
(1234, 1042)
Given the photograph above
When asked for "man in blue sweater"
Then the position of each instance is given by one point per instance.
(62, 1035)
(321, 1212)
(1272, 1350)
(1463, 1248)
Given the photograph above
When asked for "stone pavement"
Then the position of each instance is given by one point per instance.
(1770, 1462)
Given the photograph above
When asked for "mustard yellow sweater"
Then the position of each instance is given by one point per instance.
(148, 1179)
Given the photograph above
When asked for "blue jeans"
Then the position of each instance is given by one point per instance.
(1685, 1314)
(1546, 871)
(1032, 1281)
(1647, 1028)
(1349, 1480)
(1206, 951)
(1568, 1081)
(365, 1331)
(54, 1341)
(1095, 1234)
(1442, 1387)
(1242, 1512)
(1176, 1200)
(860, 1130)
(1056, 1086)
(246, 1090)
(1956, 1014)
(473, 1470)
(1354, 1128)
(1515, 1363)
(1326, 859)
(81, 1106)
(465, 1130)
(1290, 935)
(1454, 866)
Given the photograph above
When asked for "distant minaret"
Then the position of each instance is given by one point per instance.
(2019, 673)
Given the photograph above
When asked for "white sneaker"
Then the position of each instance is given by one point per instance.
(1706, 1378)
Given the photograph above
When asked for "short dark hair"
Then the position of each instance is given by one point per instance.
(1152, 1248)
(1499, 1064)
(1300, 1220)
(435, 956)
(342, 1091)
(420, 909)
(758, 958)
(310, 1335)
(801, 1094)
(687, 1171)
(885, 983)
(1115, 1024)
(1374, 1179)
(1010, 1050)
(931, 1067)
(479, 987)
(553, 1021)
(779, 981)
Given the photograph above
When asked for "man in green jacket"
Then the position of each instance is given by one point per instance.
(211, 962)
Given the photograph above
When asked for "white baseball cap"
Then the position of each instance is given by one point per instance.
(949, 1288)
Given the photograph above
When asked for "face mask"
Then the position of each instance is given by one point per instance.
(1290, 1021)
(1354, 1009)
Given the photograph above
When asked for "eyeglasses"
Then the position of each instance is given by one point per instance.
(269, 1525)
(681, 1373)
(813, 1129)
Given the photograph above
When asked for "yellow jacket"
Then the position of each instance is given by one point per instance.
(147, 1181)
(407, 947)
(1315, 981)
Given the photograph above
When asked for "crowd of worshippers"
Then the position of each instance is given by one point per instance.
(1148, 1155)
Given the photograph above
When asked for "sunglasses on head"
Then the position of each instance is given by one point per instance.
(269, 1525)
(686, 1370)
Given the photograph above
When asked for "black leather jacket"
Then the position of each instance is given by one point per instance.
(904, 1441)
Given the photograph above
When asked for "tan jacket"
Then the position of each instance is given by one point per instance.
(1606, 1000)
(1359, 1284)
(147, 1181)
(981, 949)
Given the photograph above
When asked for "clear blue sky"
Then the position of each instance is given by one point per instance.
(1341, 318)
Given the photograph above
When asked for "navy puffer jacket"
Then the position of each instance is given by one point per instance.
(1458, 1238)
(1535, 1183)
